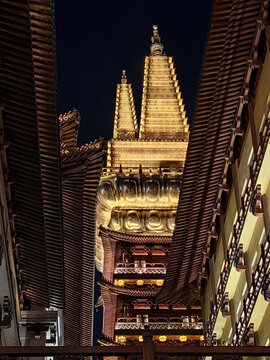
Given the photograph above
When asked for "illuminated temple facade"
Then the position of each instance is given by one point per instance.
(195, 271)
(136, 208)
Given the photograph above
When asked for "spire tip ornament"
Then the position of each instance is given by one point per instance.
(124, 77)
(156, 46)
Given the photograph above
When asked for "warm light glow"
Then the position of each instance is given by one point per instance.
(140, 338)
(201, 338)
(159, 282)
(162, 338)
(121, 339)
(143, 204)
(139, 282)
(120, 282)
(183, 338)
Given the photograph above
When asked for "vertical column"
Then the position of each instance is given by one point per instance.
(148, 345)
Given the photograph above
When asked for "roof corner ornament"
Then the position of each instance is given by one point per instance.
(124, 77)
(156, 46)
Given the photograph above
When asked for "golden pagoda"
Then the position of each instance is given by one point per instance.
(163, 133)
(136, 206)
(157, 151)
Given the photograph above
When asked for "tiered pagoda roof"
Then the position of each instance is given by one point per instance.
(114, 235)
(135, 292)
(162, 114)
(164, 132)
(125, 121)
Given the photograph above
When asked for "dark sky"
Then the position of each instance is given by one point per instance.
(97, 39)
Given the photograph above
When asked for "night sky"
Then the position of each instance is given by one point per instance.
(95, 40)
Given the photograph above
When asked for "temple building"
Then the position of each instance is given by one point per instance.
(237, 294)
(177, 221)
(222, 228)
(136, 207)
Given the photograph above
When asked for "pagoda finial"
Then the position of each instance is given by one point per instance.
(124, 77)
(156, 46)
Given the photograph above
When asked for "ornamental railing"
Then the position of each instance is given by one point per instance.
(132, 268)
(157, 324)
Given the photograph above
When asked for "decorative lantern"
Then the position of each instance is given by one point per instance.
(159, 282)
(162, 338)
(183, 338)
(121, 339)
(121, 282)
(140, 338)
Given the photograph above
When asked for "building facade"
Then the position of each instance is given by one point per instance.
(237, 296)
(136, 208)
(225, 189)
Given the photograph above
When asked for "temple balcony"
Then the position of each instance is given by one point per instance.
(158, 323)
(142, 268)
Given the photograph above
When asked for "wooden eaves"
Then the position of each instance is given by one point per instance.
(229, 60)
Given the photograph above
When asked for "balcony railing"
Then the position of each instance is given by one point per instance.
(148, 268)
(156, 324)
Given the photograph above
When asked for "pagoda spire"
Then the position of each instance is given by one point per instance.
(156, 47)
(163, 113)
(124, 77)
(125, 121)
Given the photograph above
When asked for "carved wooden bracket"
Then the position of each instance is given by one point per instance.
(204, 273)
(229, 155)
(239, 260)
(256, 208)
(223, 184)
(250, 339)
(217, 208)
(207, 252)
(225, 308)
(236, 128)
(213, 231)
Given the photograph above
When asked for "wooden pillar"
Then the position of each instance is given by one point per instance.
(254, 134)
(212, 278)
(236, 185)
(148, 345)
(223, 236)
